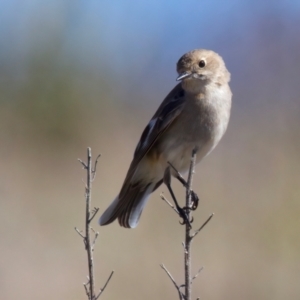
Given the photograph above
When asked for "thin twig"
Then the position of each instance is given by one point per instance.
(188, 238)
(79, 232)
(86, 289)
(181, 296)
(106, 283)
(191, 204)
(95, 167)
(83, 163)
(202, 226)
(162, 196)
(197, 274)
(95, 238)
(89, 286)
(94, 212)
(87, 225)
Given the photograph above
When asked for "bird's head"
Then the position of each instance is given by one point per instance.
(200, 67)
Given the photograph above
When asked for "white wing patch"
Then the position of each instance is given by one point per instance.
(150, 127)
(143, 143)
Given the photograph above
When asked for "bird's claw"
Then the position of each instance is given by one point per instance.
(195, 200)
(183, 214)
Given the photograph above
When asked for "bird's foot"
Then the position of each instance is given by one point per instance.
(183, 213)
(195, 200)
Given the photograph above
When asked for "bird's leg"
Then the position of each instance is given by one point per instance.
(195, 198)
(181, 211)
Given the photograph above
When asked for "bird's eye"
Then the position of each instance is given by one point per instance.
(202, 63)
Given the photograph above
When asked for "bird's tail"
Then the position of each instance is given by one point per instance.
(129, 207)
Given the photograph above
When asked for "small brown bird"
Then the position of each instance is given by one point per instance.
(194, 114)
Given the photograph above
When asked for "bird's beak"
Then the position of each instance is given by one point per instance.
(183, 76)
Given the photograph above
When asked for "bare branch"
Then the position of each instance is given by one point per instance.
(79, 232)
(86, 289)
(191, 204)
(87, 225)
(181, 296)
(106, 283)
(94, 170)
(95, 238)
(202, 226)
(162, 196)
(196, 275)
(188, 239)
(94, 212)
(89, 216)
(83, 163)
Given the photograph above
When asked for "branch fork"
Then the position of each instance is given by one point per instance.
(185, 213)
(89, 243)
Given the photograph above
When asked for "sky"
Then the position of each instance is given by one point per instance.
(118, 35)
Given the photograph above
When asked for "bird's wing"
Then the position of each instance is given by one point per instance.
(167, 112)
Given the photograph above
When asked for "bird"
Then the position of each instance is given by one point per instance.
(194, 114)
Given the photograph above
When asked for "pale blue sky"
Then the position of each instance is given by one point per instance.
(142, 40)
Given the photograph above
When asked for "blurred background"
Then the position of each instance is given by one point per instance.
(75, 74)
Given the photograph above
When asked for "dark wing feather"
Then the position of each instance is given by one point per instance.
(167, 112)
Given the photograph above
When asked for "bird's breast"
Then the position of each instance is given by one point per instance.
(201, 124)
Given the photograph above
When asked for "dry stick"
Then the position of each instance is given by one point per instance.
(188, 237)
(162, 196)
(202, 226)
(89, 215)
(106, 283)
(88, 191)
(181, 296)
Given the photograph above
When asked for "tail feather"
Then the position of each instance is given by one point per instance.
(111, 213)
(128, 209)
(130, 215)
